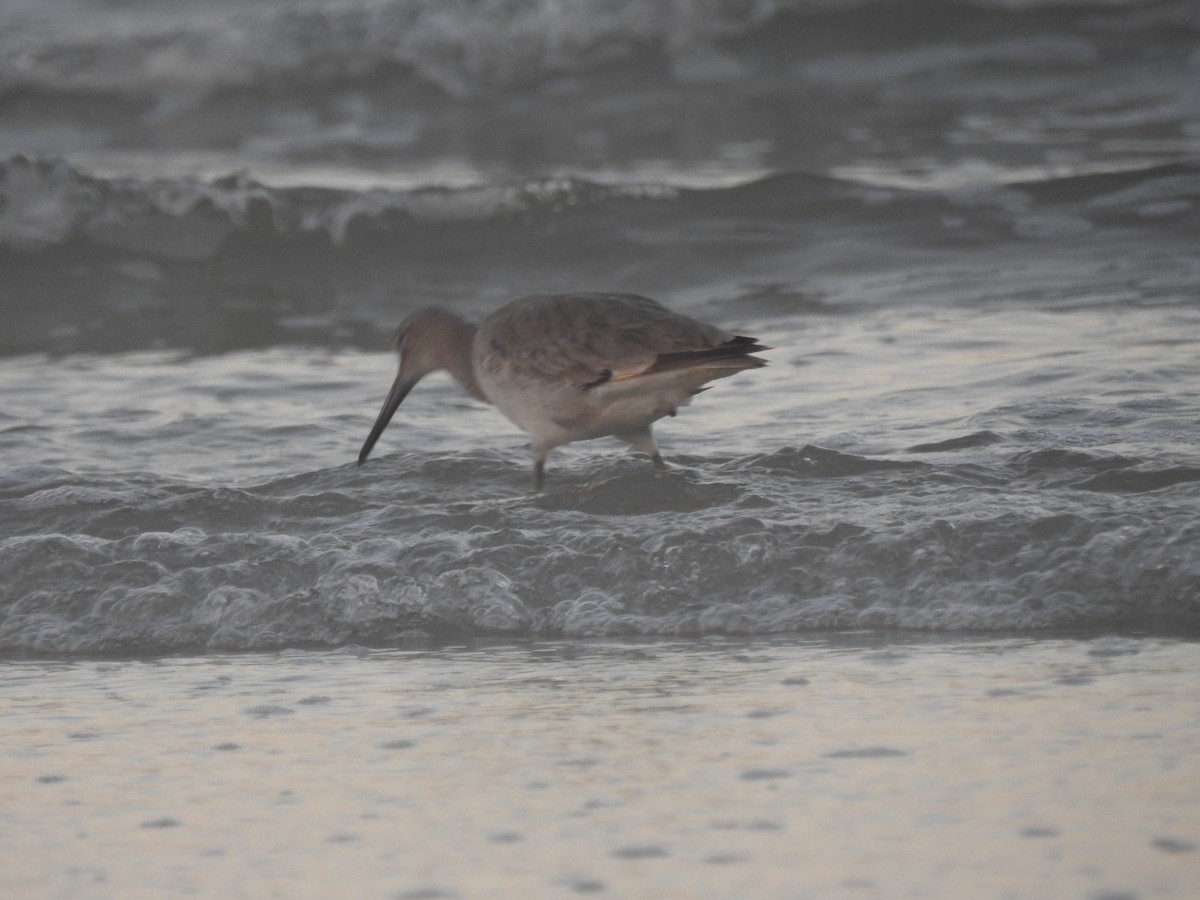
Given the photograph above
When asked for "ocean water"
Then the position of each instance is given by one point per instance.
(968, 230)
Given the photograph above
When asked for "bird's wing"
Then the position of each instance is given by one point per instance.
(589, 339)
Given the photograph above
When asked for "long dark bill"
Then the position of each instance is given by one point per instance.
(400, 388)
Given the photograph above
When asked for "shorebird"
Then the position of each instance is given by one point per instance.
(570, 367)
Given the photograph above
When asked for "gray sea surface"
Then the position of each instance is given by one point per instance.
(914, 610)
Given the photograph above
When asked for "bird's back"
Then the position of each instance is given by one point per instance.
(577, 338)
(570, 367)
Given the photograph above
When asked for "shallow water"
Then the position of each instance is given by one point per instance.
(999, 468)
(851, 765)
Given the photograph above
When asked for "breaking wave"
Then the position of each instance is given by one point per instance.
(329, 558)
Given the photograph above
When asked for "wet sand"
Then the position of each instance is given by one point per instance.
(836, 766)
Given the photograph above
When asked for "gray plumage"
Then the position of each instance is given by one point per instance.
(570, 367)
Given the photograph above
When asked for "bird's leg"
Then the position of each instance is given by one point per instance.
(643, 440)
(539, 470)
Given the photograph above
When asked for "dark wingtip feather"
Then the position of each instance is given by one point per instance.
(739, 348)
(748, 344)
